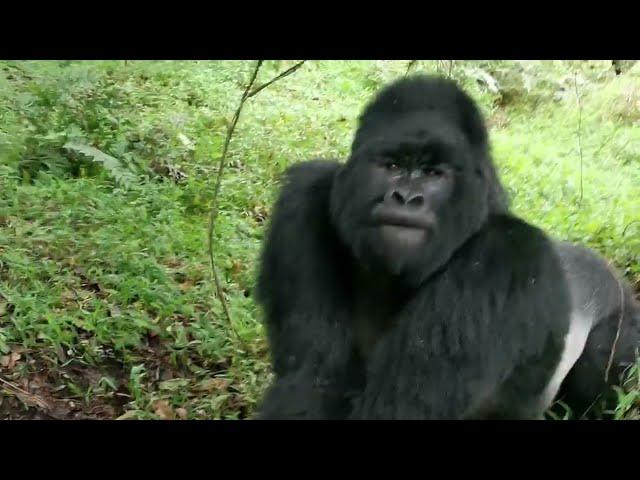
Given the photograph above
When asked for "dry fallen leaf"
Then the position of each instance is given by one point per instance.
(236, 267)
(182, 413)
(163, 410)
(174, 384)
(128, 415)
(213, 384)
(68, 296)
(9, 361)
(260, 213)
(186, 285)
(24, 395)
(173, 262)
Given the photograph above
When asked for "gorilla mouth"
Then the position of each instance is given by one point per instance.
(401, 218)
(400, 236)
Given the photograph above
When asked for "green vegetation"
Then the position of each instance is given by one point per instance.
(107, 170)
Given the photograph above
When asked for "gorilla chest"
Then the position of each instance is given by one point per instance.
(372, 316)
(368, 328)
(374, 304)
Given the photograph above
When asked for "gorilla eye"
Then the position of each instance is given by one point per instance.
(433, 172)
(393, 166)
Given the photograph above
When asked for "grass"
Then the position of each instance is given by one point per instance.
(107, 305)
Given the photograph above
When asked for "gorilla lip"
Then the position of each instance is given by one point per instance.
(401, 219)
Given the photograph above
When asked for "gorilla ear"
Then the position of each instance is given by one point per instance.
(498, 198)
(423, 94)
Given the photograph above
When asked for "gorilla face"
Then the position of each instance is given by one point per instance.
(406, 200)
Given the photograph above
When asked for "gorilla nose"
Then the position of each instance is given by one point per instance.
(410, 199)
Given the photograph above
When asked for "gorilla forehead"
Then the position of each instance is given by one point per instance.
(415, 98)
(419, 131)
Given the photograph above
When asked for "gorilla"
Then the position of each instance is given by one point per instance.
(399, 286)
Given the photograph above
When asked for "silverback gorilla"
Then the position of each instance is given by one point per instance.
(399, 286)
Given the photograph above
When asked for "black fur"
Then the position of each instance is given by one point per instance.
(472, 326)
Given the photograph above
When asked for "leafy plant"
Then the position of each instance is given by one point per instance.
(112, 165)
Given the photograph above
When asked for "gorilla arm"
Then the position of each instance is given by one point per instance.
(491, 351)
(304, 292)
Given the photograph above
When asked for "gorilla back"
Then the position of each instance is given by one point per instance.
(399, 286)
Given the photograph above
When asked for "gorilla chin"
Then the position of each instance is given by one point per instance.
(407, 245)
(406, 242)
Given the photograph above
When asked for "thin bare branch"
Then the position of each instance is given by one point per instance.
(410, 65)
(608, 140)
(450, 69)
(214, 202)
(24, 396)
(575, 84)
(249, 92)
(624, 231)
(276, 78)
(620, 318)
(615, 340)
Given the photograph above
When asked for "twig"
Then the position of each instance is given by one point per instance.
(607, 141)
(624, 145)
(624, 231)
(584, 414)
(450, 68)
(410, 65)
(214, 202)
(575, 84)
(248, 93)
(25, 396)
(621, 317)
(276, 78)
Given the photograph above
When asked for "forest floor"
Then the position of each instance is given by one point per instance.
(107, 170)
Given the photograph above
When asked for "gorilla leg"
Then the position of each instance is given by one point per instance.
(599, 294)
(589, 382)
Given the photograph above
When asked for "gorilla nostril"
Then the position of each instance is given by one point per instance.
(416, 201)
(397, 196)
